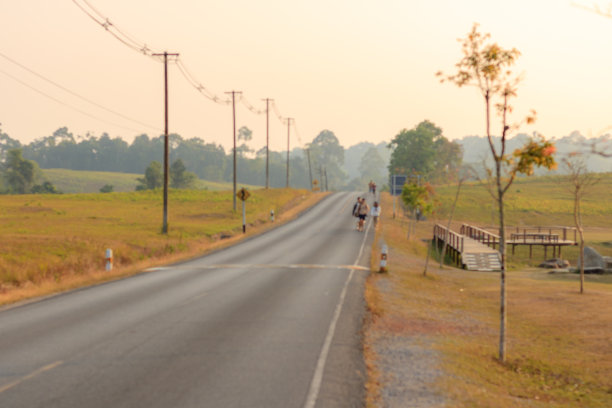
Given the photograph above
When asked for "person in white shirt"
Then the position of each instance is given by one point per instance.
(375, 212)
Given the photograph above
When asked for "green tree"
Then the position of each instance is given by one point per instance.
(180, 177)
(414, 149)
(327, 154)
(19, 173)
(45, 188)
(487, 66)
(418, 199)
(423, 150)
(153, 177)
(6, 144)
(107, 188)
(372, 166)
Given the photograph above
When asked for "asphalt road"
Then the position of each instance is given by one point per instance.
(274, 321)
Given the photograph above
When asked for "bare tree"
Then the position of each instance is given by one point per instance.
(487, 66)
(580, 181)
(464, 175)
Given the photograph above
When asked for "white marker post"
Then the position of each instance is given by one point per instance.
(109, 260)
(383, 259)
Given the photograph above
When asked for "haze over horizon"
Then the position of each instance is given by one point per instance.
(364, 70)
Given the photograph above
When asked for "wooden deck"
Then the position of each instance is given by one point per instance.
(468, 252)
(546, 237)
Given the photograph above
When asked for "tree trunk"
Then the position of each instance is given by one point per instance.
(502, 251)
(578, 223)
(450, 219)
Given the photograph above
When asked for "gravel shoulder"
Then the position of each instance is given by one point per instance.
(404, 361)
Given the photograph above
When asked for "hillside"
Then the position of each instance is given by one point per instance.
(78, 181)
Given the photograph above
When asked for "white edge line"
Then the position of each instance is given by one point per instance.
(317, 379)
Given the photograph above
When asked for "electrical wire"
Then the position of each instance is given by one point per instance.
(250, 106)
(198, 86)
(141, 47)
(114, 31)
(67, 104)
(77, 95)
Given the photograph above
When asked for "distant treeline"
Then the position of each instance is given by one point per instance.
(208, 161)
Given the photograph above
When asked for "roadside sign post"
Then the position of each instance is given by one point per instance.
(243, 194)
(397, 184)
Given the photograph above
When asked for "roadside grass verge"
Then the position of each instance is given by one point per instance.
(558, 340)
(50, 243)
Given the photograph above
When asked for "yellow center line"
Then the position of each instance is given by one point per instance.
(30, 376)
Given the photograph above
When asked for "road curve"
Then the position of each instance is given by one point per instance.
(271, 322)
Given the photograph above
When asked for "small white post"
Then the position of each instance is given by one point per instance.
(383, 259)
(109, 260)
(272, 215)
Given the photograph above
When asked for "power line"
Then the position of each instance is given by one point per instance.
(120, 35)
(76, 94)
(198, 86)
(250, 106)
(66, 104)
(142, 48)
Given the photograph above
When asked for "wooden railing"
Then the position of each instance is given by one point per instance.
(548, 235)
(452, 239)
(480, 235)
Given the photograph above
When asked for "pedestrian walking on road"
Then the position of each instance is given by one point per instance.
(362, 212)
(375, 213)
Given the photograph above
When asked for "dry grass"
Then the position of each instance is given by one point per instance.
(558, 340)
(51, 243)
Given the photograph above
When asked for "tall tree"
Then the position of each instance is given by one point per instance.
(423, 150)
(19, 173)
(372, 166)
(327, 154)
(6, 144)
(153, 177)
(180, 177)
(487, 66)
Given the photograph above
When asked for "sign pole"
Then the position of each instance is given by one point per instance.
(243, 216)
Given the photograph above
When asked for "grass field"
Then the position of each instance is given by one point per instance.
(54, 242)
(73, 181)
(558, 343)
(536, 201)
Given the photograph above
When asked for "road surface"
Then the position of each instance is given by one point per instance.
(271, 322)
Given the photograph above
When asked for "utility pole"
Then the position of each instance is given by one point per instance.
(268, 142)
(326, 185)
(288, 132)
(309, 168)
(234, 119)
(166, 166)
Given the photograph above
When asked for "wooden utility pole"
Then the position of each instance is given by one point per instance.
(288, 133)
(166, 166)
(268, 142)
(234, 121)
(309, 168)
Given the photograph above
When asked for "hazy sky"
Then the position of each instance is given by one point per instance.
(364, 69)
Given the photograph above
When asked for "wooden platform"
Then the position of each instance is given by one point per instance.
(468, 252)
(546, 237)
